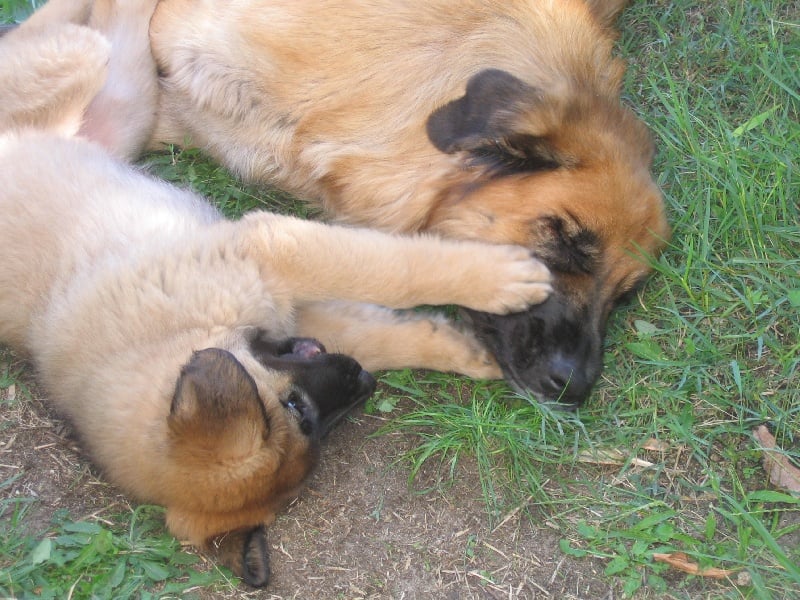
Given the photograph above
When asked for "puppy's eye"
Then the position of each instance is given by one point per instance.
(301, 411)
(565, 245)
(294, 403)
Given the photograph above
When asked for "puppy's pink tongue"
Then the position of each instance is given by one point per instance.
(307, 348)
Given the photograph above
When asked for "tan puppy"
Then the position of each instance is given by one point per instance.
(167, 335)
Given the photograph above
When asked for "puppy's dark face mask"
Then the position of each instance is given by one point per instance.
(246, 440)
(325, 386)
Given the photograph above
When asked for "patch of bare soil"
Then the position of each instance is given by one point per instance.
(42, 458)
(360, 531)
(357, 531)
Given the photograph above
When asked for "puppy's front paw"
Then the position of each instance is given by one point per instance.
(514, 281)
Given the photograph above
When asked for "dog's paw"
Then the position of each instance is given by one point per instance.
(514, 280)
(477, 362)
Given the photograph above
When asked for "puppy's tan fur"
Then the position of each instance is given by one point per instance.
(139, 304)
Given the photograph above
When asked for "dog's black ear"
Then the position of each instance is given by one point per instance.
(468, 122)
(498, 122)
(215, 393)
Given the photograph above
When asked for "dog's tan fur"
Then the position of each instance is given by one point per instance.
(493, 120)
(141, 307)
(330, 99)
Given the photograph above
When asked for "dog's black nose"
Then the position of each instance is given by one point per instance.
(564, 379)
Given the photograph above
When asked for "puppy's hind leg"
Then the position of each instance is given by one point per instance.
(122, 116)
(49, 74)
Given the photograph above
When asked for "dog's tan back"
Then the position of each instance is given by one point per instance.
(330, 99)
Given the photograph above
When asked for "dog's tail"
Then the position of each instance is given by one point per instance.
(49, 74)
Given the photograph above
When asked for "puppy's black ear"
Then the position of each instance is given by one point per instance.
(255, 565)
(245, 552)
(500, 121)
(213, 396)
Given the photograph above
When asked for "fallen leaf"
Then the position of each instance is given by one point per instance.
(602, 456)
(42, 551)
(681, 562)
(655, 445)
(611, 456)
(780, 470)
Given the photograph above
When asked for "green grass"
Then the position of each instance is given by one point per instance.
(130, 557)
(233, 198)
(510, 440)
(711, 348)
(16, 11)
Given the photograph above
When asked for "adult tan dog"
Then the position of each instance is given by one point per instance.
(493, 120)
(167, 335)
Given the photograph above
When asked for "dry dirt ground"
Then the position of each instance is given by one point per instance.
(357, 531)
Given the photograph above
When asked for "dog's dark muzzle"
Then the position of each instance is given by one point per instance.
(552, 350)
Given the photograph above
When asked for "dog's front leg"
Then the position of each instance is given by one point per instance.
(324, 262)
(383, 339)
